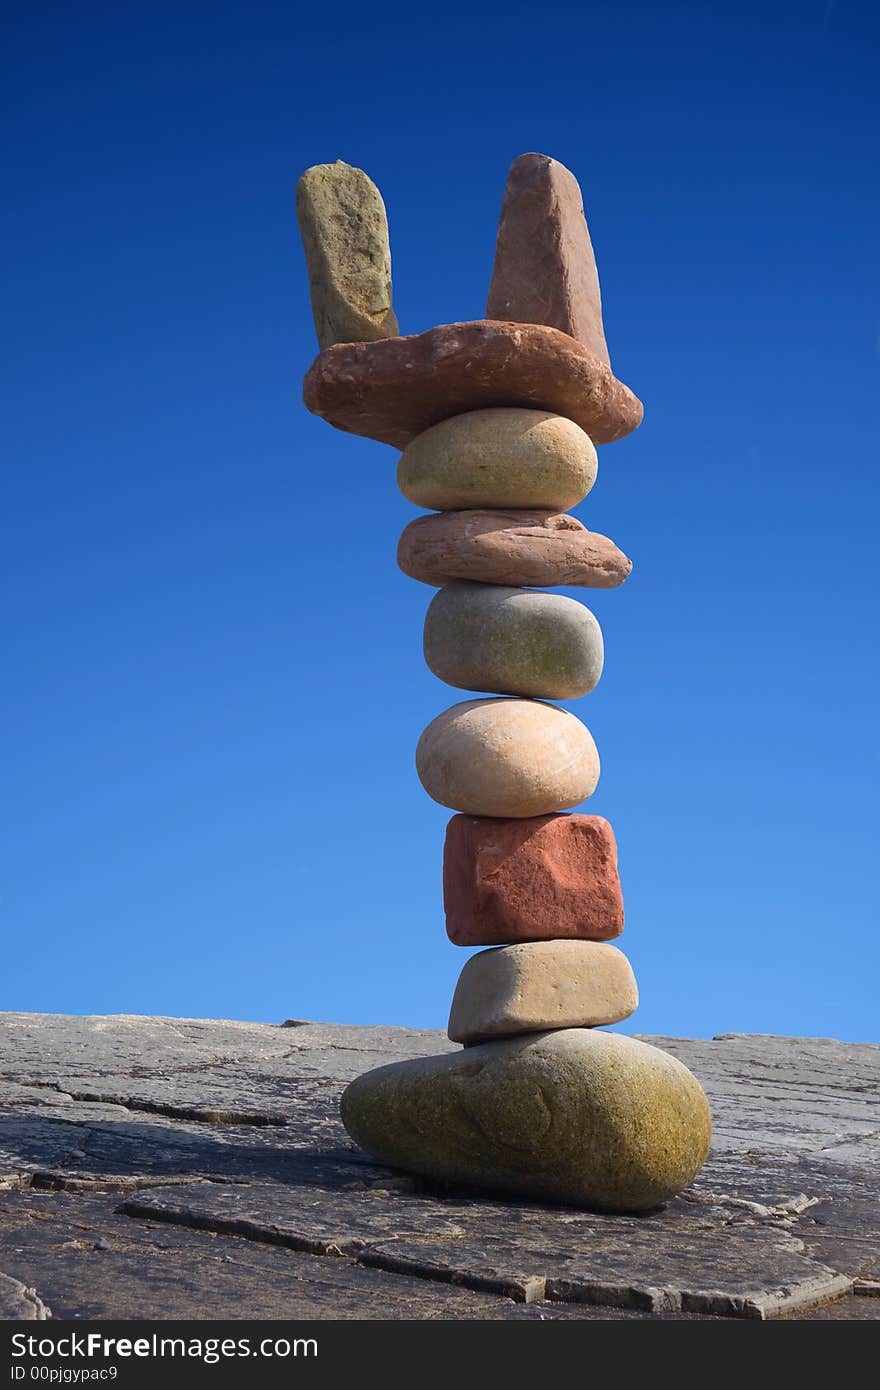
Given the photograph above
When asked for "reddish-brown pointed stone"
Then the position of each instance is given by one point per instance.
(545, 270)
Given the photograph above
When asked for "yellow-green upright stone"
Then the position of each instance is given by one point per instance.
(344, 230)
(577, 1115)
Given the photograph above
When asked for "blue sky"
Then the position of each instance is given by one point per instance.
(213, 682)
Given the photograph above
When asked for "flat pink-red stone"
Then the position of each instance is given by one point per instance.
(540, 549)
(393, 389)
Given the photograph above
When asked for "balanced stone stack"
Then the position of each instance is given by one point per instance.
(497, 421)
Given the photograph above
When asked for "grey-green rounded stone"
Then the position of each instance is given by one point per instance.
(513, 641)
(580, 1116)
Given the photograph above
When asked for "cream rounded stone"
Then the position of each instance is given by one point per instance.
(578, 1116)
(514, 641)
(536, 985)
(504, 457)
(507, 757)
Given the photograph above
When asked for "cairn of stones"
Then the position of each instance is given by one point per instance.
(497, 422)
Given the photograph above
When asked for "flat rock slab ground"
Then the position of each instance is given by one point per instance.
(183, 1168)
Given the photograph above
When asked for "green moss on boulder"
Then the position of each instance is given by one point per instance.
(577, 1116)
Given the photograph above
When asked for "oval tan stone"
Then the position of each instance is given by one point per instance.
(536, 985)
(513, 641)
(578, 1116)
(507, 757)
(505, 457)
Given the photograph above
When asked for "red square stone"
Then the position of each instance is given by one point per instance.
(541, 879)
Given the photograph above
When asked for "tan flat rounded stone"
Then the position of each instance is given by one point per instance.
(537, 985)
(394, 389)
(499, 458)
(507, 757)
(578, 1116)
(539, 548)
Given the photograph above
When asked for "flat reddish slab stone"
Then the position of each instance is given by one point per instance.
(542, 879)
(394, 389)
(542, 549)
(545, 269)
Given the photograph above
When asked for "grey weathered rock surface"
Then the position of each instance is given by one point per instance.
(535, 985)
(345, 236)
(99, 1113)
(499, 458)
(507, 757)
(577, 1115)
(539, 548)
(545, 269)
(20, 1303)
(513, 641)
